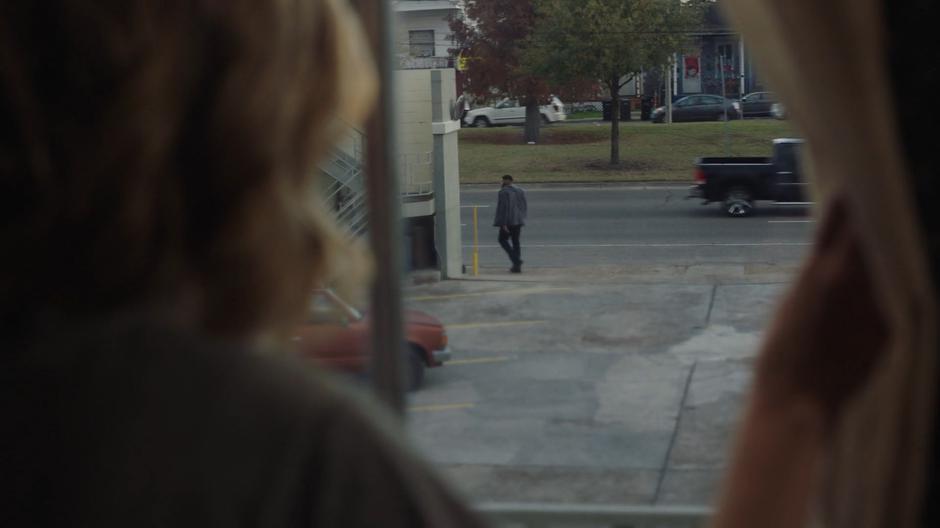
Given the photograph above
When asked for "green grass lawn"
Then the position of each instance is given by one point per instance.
(581, 152)
(584, 115)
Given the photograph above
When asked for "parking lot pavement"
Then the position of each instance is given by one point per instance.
(604, 385)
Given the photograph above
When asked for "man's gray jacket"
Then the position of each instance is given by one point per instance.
(511, 207)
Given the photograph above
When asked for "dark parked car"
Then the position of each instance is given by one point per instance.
(699, 108)
(336, 335)
(758, 104)
(737, 182)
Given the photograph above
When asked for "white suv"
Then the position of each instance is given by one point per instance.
(509, 112)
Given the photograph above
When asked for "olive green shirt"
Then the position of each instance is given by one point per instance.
(151, 427)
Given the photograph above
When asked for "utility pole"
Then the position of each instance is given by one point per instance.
(724, 104)
(675, 75)
(668, 92)
(741, 87)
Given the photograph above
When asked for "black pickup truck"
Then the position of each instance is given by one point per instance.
(738, 182)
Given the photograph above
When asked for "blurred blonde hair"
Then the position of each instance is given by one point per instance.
(158, 151)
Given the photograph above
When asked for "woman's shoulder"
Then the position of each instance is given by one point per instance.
(254, 425)
(358, 467)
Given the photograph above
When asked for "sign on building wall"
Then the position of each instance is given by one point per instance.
(692, 74)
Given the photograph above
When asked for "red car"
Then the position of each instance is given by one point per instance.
(336, 335)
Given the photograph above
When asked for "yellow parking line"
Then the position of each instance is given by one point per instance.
(443, 407)
(492, 324)
(477, 361)
(516, 291)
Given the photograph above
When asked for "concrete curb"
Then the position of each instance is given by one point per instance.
(754, 273)
(420, 277)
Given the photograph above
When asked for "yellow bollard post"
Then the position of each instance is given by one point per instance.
(476, 245)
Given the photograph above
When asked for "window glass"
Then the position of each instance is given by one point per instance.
(787, 156)
(323, 310)
(726, 52)
(609, 368)
(421, 43)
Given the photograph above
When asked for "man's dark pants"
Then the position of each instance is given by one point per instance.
(515, 250)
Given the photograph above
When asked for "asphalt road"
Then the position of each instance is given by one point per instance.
(572, 226)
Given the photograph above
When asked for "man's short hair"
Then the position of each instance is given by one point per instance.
(507, 177)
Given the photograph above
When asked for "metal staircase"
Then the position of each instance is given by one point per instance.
(345, 191)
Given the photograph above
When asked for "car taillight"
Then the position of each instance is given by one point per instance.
(444, 341)
(699, 175)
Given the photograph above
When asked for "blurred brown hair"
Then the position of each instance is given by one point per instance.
(160, 151)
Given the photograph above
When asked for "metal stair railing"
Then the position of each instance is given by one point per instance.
(345, 190)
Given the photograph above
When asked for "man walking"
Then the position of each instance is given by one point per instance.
(510, 217)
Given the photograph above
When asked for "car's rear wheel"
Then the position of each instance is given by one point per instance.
(481, 122)
(738, 202)
(416, 366)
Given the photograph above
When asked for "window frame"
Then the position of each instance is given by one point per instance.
(414, 43)
(380, 169)
(726, 51)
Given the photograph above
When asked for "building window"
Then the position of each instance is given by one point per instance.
(726, 51)
(421, 43)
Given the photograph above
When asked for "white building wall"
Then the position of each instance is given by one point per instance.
(433, 20)
(413, 127)
(426, 137)
(416, 15)
(446, 173)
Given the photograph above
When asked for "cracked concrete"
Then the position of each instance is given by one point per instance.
(593, 397)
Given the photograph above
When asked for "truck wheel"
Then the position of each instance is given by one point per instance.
(738, 202)
(481, 122)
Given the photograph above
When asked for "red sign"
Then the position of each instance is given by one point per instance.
(691, 67)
